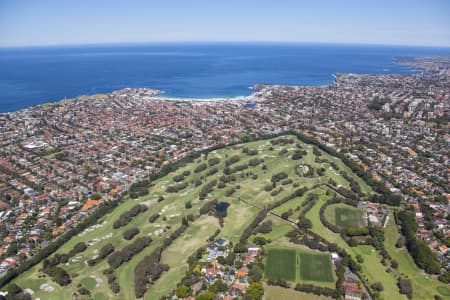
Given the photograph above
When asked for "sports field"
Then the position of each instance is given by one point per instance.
(344, 216)
(300, 266)
(281, 264)
(316, 267)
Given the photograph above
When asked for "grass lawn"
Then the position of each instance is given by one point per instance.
(281, 264)
(344, 216)
(299, 265)
(424, 287)
(279, 229)
(277, 293)
(316, 267)
(372, 268)
(89, 283)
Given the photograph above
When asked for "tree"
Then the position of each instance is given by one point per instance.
(255, 291)
(394, 264)
(304, 223)
(206, 296)
(405, 287)
(182, 291)
(377, 286)
(218, 287)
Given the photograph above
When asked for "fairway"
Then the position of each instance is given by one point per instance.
(251, 191)
(316, 267)
(281, 264)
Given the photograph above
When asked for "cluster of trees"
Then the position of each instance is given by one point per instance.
(386, 196)
(127, 216)
(279, 176)
(354, 185)
(179, 231)
(286, 181)
(139, 189)
(321, 171)
(285, 215)
(201, 167)
(269, 187)
(118, 257)
(317, 152)
(255, 291)
(276, 192)
(58, 275)
(420, 252)
(227, 179)
(213, 161)
(250, 152)
(283, 152)
(148, 268)
(264, 227)
(304, 223)
(255, 161)
(153, 217)
(445, 277)
(252, 226)
(298, 154)
(130, 233)
(64, 258)
(230, 192)
(377, 234)
(278, 282)
(405, 287)
(309, 202)
(15, 292)
(232, 160)
(208, 207)
(309, 288)
(235, 169)
(296, 193)
(180, 177)
(176, 187)
(104, 252)
(282, 141)
(207, 188)
(346, 193)
(112, 281)
(212, 171)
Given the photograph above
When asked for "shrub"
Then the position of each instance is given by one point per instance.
(126, 217)
(200, 168)
(130, 233)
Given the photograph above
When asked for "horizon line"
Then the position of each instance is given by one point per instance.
(217, 42)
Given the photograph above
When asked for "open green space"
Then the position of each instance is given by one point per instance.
(277, 293)
(249, 196)
(316, 267)
(344, 216)
(372, 268)
(299, 265)
(424, 287)
(281, 264)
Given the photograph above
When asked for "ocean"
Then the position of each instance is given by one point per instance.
(35, 75)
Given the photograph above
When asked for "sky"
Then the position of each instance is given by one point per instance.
(62, 22)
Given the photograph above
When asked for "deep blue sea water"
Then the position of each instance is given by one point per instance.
(30, 76)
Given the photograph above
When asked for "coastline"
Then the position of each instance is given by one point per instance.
(224, 72)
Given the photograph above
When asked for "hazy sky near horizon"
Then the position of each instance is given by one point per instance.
(58, 22)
